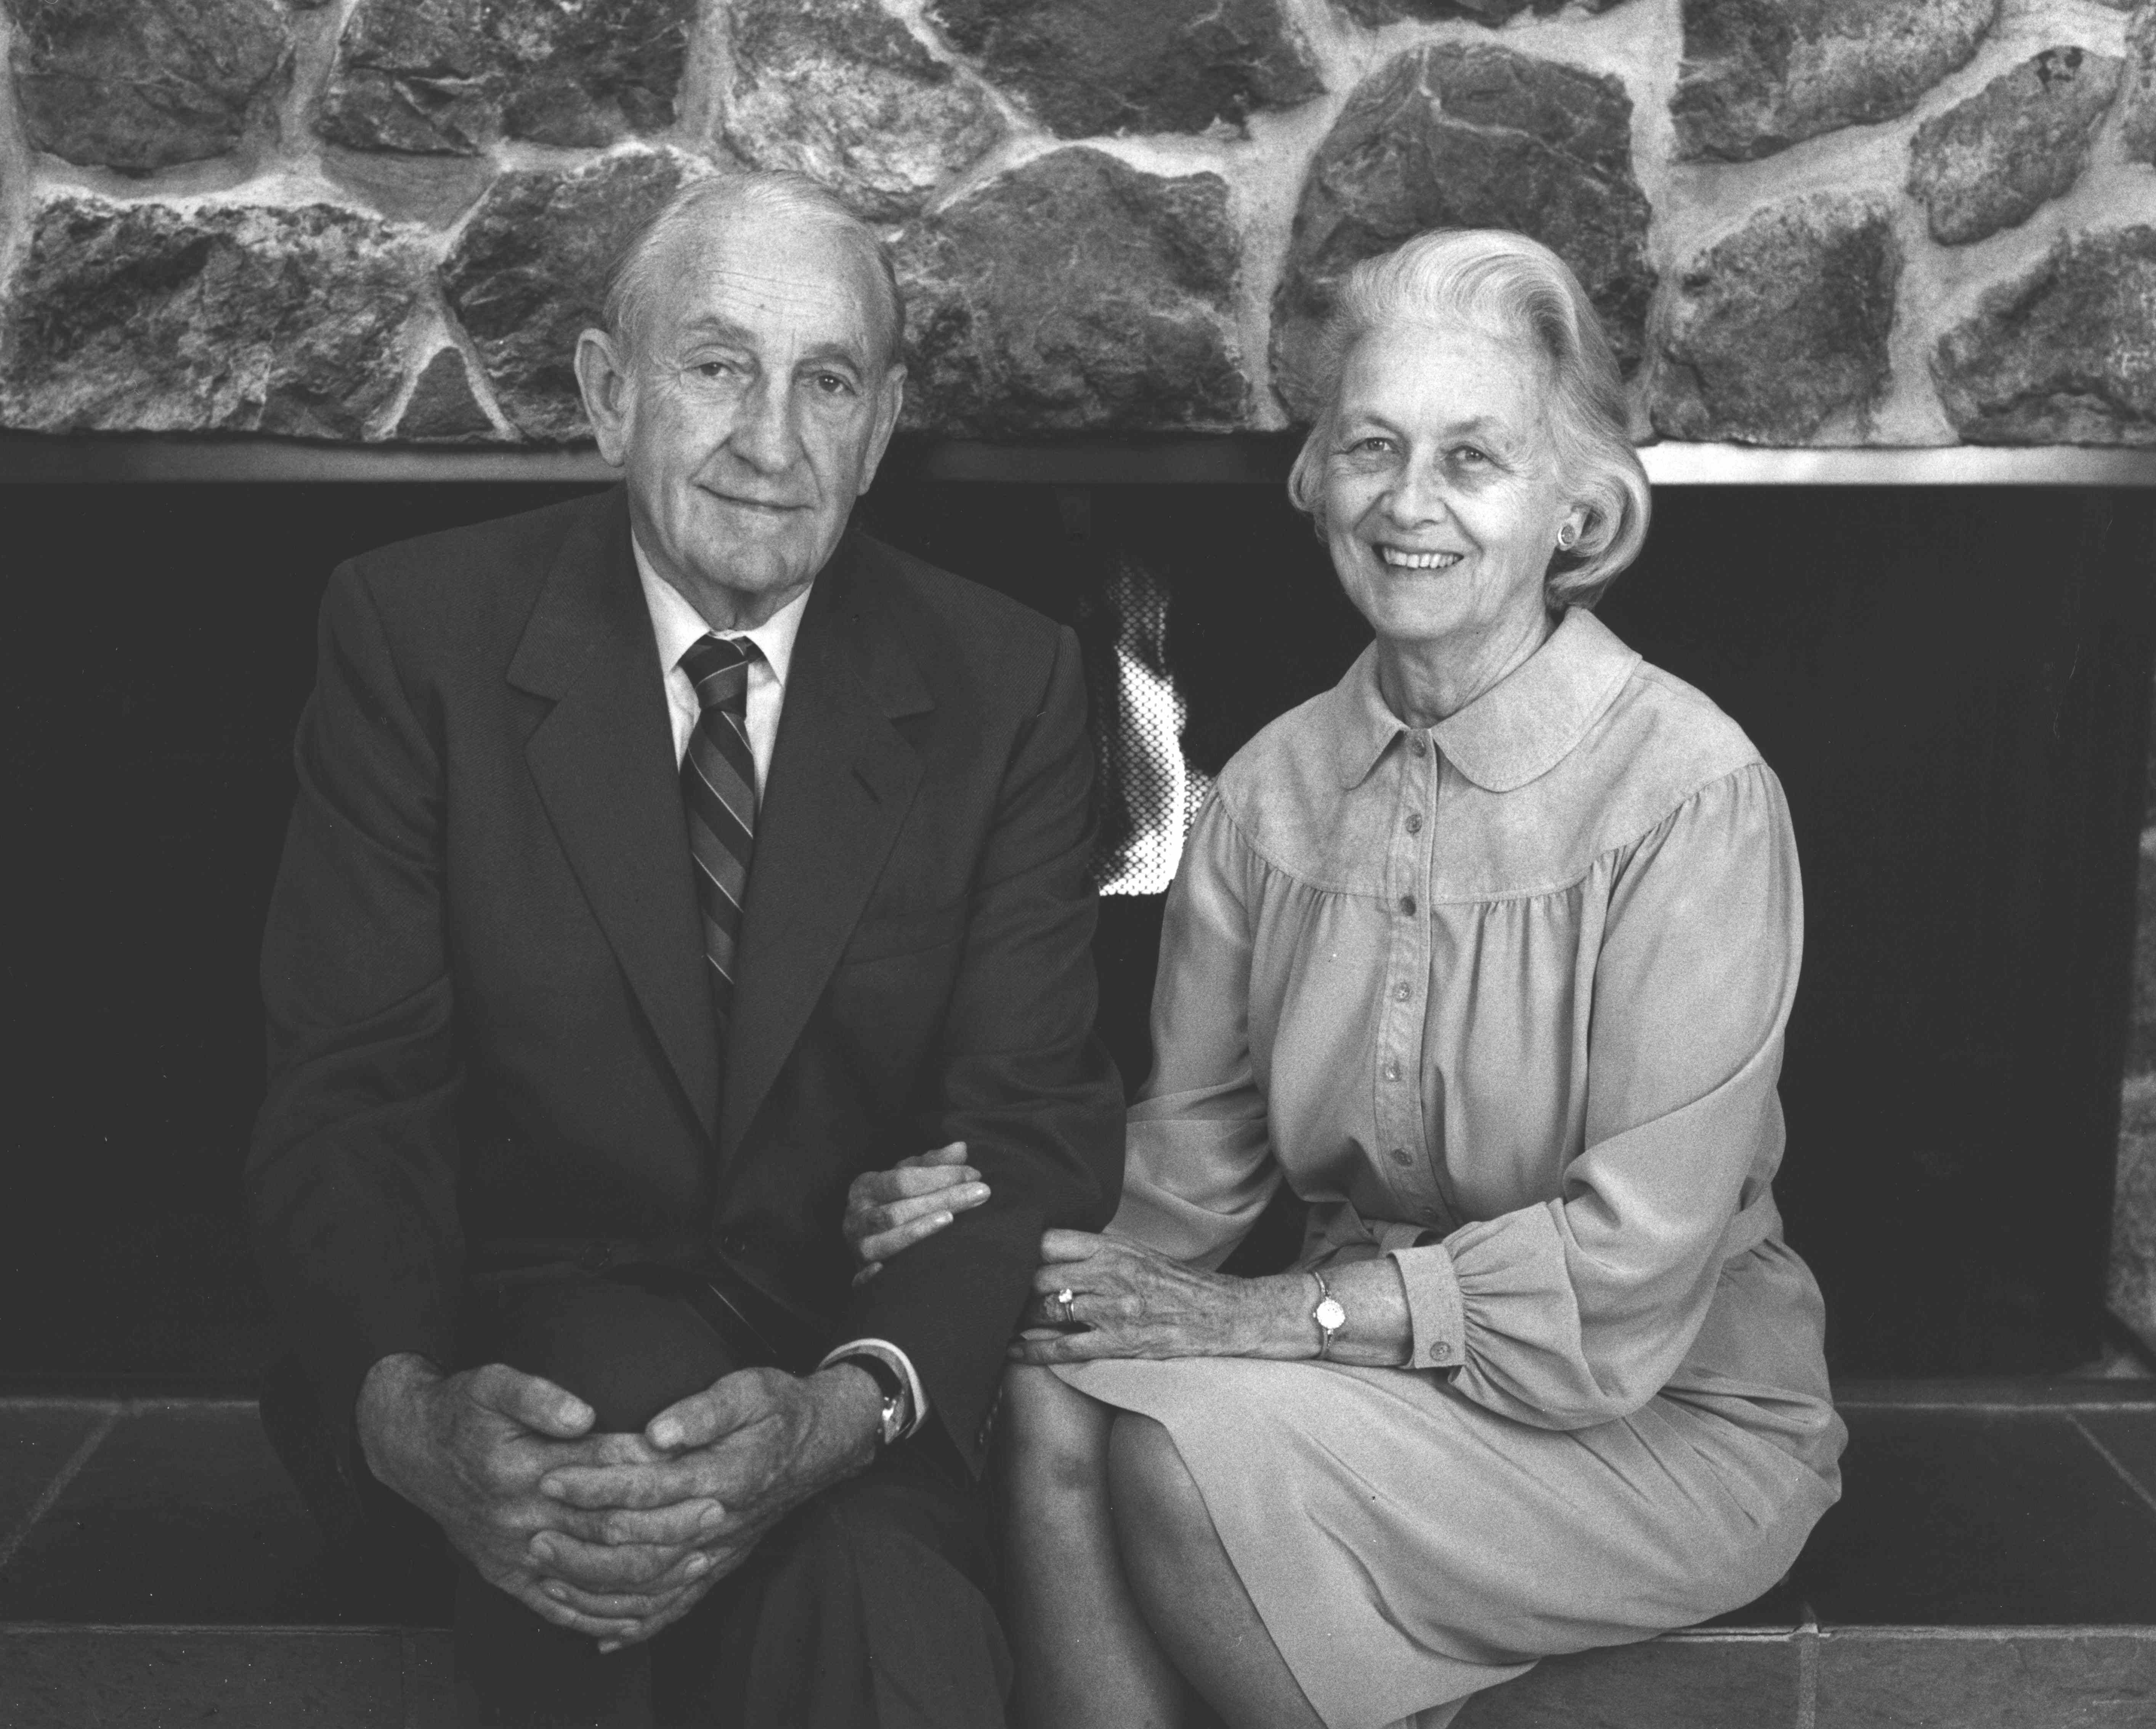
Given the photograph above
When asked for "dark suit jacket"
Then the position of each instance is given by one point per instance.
(489, 1023)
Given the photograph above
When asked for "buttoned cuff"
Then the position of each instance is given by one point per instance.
(902, 1365)
(1437, 1320)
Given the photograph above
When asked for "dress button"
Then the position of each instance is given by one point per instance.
(1401, 1156)
(1402, 993)
(1415, 743)
(1392, 1071)
(1440, 1352)
(1408, 905)
(1415, 822)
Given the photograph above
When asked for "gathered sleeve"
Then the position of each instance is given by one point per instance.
(1579, 1309)
(1198, 1164)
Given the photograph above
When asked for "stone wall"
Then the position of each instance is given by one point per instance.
(1807, 222)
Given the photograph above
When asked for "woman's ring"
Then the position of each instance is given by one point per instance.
(1066, 1301)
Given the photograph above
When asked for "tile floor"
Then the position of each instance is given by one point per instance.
(1993, 1562)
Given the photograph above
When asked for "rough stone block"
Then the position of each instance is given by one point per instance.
(443, 407)
(2137, 127)
(841, 91)
(1453, 135)
(528, 272)
(1760, 74)
(444, 77)
(410, 77)
(1990, 161)
(588, 74)
(138, 87)
(1093, 67)
(2066, 355)
(1074, 295)
(1781, 326)
(1484, 11)
(149, 318)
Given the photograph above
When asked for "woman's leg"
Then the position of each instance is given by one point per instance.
(1084, 1658)
(1192, 1597)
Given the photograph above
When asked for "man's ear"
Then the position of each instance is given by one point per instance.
(609, 393)
(891, 401)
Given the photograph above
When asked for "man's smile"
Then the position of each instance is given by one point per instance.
(774, 506)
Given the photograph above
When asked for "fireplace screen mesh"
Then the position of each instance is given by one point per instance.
(1150, 790)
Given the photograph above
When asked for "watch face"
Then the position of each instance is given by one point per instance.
(1329, 1315)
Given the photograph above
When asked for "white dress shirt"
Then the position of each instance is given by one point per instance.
(678, 626)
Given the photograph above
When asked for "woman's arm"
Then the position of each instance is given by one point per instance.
(1124, 1300)
(1199, 1163)
(889, 1210)
(1580, 1309)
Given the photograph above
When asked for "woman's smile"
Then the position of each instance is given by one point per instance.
(1406, 558)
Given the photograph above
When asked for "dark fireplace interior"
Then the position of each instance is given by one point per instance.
(1953, 684)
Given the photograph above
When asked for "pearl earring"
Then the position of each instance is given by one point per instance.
(1565, 536)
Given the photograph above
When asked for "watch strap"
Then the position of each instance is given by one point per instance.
(1327, 1315)
(891, 1387)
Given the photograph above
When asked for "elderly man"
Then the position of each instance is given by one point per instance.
(662, 860)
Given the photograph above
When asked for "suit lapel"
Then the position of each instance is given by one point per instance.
(842, 778)
(603, 760)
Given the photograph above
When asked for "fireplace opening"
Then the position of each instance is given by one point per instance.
(1953, 683)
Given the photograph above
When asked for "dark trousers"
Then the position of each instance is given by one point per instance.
(868, 1607)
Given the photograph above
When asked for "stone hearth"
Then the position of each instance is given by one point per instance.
(1810, 222)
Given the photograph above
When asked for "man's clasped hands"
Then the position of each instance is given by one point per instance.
(615, 1536)
(619, 1535)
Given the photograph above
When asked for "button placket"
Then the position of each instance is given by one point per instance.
(1398, 1056)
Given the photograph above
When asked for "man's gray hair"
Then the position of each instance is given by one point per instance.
(1507, 285)
(776, 192)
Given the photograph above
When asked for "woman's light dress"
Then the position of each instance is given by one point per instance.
(1503, 999)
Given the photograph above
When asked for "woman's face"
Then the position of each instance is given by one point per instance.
(1442, 500)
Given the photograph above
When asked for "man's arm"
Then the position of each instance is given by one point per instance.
(351, 1175)
(1025, 1082)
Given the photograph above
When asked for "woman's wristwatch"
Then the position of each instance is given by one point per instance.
(1328, 1315)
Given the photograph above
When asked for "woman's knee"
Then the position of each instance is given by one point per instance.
(1158, 1504)
(1055, 1438)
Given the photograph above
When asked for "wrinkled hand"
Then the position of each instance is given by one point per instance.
(889, 1210)
(740, 1456)
(470, 1449)
(1129, 1300)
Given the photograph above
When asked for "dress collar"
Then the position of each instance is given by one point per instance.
(1514, 732)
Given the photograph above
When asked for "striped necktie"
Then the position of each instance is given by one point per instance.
(718, 789)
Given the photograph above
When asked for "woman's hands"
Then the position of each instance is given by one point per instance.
(1128, 1300)
(889, 1210)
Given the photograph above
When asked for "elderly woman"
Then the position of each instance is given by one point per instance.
(1486, 954)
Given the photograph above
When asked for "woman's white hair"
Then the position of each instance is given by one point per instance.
(774, 191)
(1511, 287)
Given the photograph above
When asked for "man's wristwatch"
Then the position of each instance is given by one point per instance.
(897, 1402)
(1328, 1315)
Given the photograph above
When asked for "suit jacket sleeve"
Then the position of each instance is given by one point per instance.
(351, 1175)
(1023, 1081)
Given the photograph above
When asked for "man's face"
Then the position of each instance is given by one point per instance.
(753, 413)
